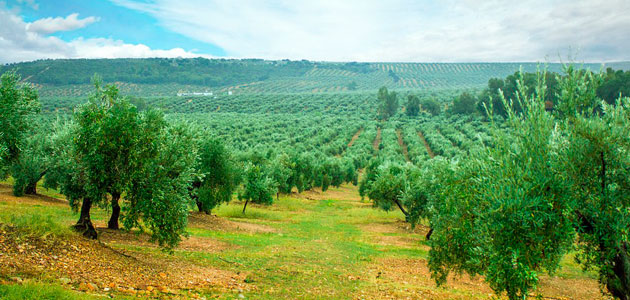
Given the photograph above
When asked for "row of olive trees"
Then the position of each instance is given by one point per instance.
(109, 149)
(388, 104)
(553, 183)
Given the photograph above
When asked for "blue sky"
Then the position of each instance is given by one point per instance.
(328, 30)
(115, 22)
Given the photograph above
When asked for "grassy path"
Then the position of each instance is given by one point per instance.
(309, 246)
(402, 144)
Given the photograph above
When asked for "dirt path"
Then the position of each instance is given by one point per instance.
(355, 137)
(402, 144)
(377, 140)
(426, 145)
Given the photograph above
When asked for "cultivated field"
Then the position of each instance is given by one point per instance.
(312, 245)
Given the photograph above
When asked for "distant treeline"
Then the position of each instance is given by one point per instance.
(609, 87)
(196, 71)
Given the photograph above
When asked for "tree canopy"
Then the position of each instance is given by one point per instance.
(412, 107)
(387, 103)
(219, 174)
(18, 102)
(511, 211)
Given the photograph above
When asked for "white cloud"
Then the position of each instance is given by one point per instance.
(108, 48)
(52, 25)
(19, 42)
(402, 30)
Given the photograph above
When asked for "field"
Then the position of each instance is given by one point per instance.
(309, 246)
(315, 241)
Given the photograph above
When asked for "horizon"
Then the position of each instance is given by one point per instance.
(326, 61)
(452, 31)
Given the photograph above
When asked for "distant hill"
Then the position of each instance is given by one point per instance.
(167, 77)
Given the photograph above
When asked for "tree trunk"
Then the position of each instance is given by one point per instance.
(201, 208)
(619, 283)
(84, 224)
(31, 189)
(244, 207)
(113, 220)
(277, 196)
(428, 236)
(401, 207)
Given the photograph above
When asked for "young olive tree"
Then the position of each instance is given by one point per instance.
(258, 187)
(219, 176)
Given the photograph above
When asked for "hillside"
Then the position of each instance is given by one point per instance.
(167, 77)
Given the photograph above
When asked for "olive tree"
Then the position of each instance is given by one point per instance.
(219, 177)
(393, 185)
(258, 187)
(18, 102)
(159, 188)
(109, 127)
(596, 167)
(67, 173)
(387, 103)
(159, 165)
(512, 211)
(412, 107)
(32, 163)
(280, 172)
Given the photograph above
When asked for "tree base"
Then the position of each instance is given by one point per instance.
(86, 229)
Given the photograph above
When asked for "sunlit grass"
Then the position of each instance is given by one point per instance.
(311, 249)
(40, 291)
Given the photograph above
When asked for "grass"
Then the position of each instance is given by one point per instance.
(39, 291)
(310, 249)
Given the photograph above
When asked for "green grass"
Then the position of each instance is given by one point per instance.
(256, 213)
(40, 291)
(310, 249)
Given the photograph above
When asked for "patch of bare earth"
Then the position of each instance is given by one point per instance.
(398, 234)
(399, 226)
(426, 145)
(345, 192)
(355, 137)
(192, 243)
(406, 278)
(377, 140)
(92, 266)
(212, 222)
(402, 145)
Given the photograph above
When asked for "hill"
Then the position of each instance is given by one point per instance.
(167, 76)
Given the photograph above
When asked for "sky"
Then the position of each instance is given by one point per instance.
(323, 30)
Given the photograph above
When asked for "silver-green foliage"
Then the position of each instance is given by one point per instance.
(18, 102)
(506, 212)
